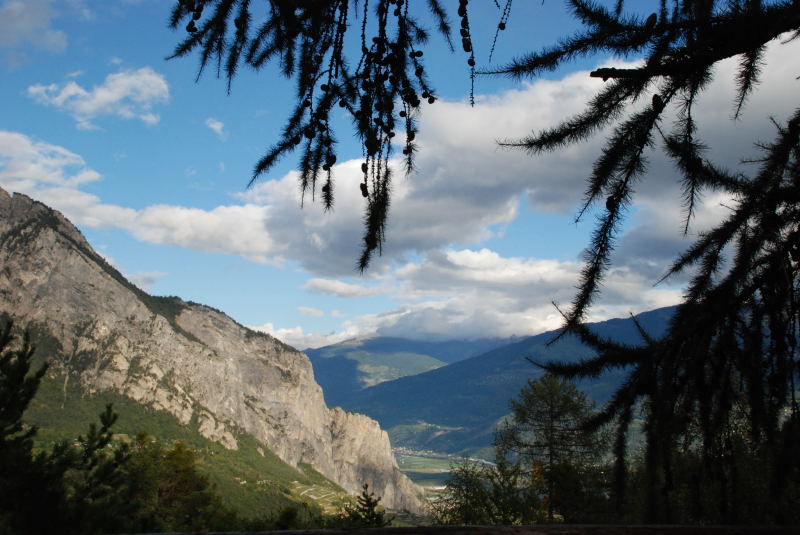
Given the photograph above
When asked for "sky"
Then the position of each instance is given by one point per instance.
(152, 165)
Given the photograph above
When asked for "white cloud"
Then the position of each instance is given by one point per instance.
(127, 94)
(218, 127)
(464, 188)
(296, 337)
(29, 23)
(340, 288)
(236, 230)
(26, 164)
(52, 174)
(310, 311)
(469, 293)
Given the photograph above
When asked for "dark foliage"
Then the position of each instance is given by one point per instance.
(546, 431)
(169, 491)
(72, 488)
(477, 493)
(382, 91)
(733, 341)
(95, 484)
(366, 512)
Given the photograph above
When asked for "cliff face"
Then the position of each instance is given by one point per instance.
(184, 358)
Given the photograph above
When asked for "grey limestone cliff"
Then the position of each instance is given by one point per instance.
(188, 359)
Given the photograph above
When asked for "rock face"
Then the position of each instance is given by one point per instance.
(188, 359)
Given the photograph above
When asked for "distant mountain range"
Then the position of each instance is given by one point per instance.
(454, 408)
(359, 363)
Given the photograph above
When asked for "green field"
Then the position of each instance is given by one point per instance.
(429, 471)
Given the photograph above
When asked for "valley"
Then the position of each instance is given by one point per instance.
(427, 469)
(455, 409)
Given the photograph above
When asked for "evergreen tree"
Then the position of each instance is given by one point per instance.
(477, 493)
(67, 489)
(545, 429)
(17, 388)
(366, 512)
(733, 340)
(465, 499)
(170, 492)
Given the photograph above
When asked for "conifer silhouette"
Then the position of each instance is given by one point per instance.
(733, 340)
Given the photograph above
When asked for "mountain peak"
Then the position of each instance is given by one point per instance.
(17, 210)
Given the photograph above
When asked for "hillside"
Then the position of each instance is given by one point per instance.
(232, 385)
(454, 408)
(344, 368)
(250, 479)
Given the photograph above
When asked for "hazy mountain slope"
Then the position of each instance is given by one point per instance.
(352, 365)
(469, 396)
(183, 358)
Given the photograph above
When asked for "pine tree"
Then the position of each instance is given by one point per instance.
(733, 340)
(545, 429)
(69, 489)
(366, 512)
(17, 388)
(479, 493)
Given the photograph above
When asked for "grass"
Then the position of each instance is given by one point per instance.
(424, 463)
(252, 480)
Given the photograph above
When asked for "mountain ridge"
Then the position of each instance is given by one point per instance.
(188, 359)
(359, 363)
(460, 403)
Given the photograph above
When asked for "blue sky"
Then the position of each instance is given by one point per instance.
(152, 167)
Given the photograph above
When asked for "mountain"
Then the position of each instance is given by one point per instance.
(344, 368)
(232, 385)
(454, 408)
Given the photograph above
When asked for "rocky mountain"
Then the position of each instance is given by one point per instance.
(344, 368)
(184, 358)
(455, 408)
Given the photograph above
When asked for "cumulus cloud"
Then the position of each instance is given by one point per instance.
(297, 338)
(26, 164)
(340, 288)
(127, 94)
(311, 311)
(468, 293)
(53, 174)
(217, 126)
(29, 23)
(464, 188)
